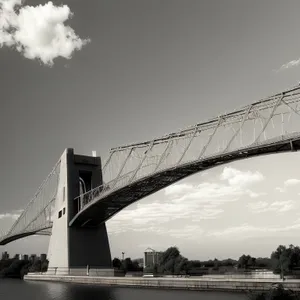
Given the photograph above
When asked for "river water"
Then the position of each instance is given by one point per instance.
(18, 289)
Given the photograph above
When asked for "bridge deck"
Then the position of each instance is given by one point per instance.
(103, 208)
(9, 239)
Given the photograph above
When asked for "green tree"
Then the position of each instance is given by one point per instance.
(281, 260)
(216, 265)
(5, 263)
(116, 263)
(192, 264)
(155, 270)
(244, 261)
(169, 254)
(127, 264)
(264, 262)
(14, 269)
(172, 262)
(252, 262)
(135, 266)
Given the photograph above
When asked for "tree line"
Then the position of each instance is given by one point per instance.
(15, 268)
(171, 262)
(284, 260)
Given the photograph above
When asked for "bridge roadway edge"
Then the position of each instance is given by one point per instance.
(222, 285)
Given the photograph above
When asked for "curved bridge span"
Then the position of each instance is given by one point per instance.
(40, 231)
(132, 172)
(101, 206)
(138, 170)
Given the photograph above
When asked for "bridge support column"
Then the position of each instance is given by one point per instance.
(73, 248)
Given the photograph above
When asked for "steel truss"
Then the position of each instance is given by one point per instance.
(134, 171)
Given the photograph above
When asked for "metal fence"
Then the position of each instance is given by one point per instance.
(80, 271)
(110, 272)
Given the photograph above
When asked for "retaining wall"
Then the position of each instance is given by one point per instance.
(175, 283)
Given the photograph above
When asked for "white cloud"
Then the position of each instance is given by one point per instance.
(200, 203)
(187, 232)
(288, 183)
(38, 32)
(290, 64)
(150, 216)
(185, 201)
(278, 206)
(254, 194)
(258, 206)
(238, 178)
(283, 206)
(206, 214)
(216, 193)
(246, 230)
(13, 216)
(291, 182)
(175, 189)
(207, 192)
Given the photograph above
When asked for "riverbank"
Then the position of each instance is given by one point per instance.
(200, 284)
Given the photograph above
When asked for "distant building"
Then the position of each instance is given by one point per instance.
(5, 255)
(43, 257)
(151, 257)
(17, 256)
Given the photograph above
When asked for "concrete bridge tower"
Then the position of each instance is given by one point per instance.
(73, 248)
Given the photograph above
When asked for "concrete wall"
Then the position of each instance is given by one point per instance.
(259, 275)
(178, 283)
(58, 245)
(251, 275)
(81, 272)
(89, 246)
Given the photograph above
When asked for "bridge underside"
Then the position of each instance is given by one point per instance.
(100, 210)
(44, 231)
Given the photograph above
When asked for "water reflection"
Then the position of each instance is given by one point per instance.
(86, 292)
(68, 291)
(18, 289)
(54, 290)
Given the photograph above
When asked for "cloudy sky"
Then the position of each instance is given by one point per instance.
(115, 72)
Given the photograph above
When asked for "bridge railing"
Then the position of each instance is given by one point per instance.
(100, 190)
(38, 213)
(109, 272)
(105, 189)
(44, 229)
(79, 271)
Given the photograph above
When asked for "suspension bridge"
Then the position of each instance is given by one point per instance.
(80, 194)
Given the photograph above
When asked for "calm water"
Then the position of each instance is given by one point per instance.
(17, 289)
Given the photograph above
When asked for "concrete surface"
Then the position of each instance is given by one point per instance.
(238, 285)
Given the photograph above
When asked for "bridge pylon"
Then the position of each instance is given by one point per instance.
(77, 248)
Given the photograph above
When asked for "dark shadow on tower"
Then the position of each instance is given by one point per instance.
(88, 242)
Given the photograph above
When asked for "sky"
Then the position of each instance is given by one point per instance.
(115, 72)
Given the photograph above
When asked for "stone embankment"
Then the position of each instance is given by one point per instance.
(238, 285)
